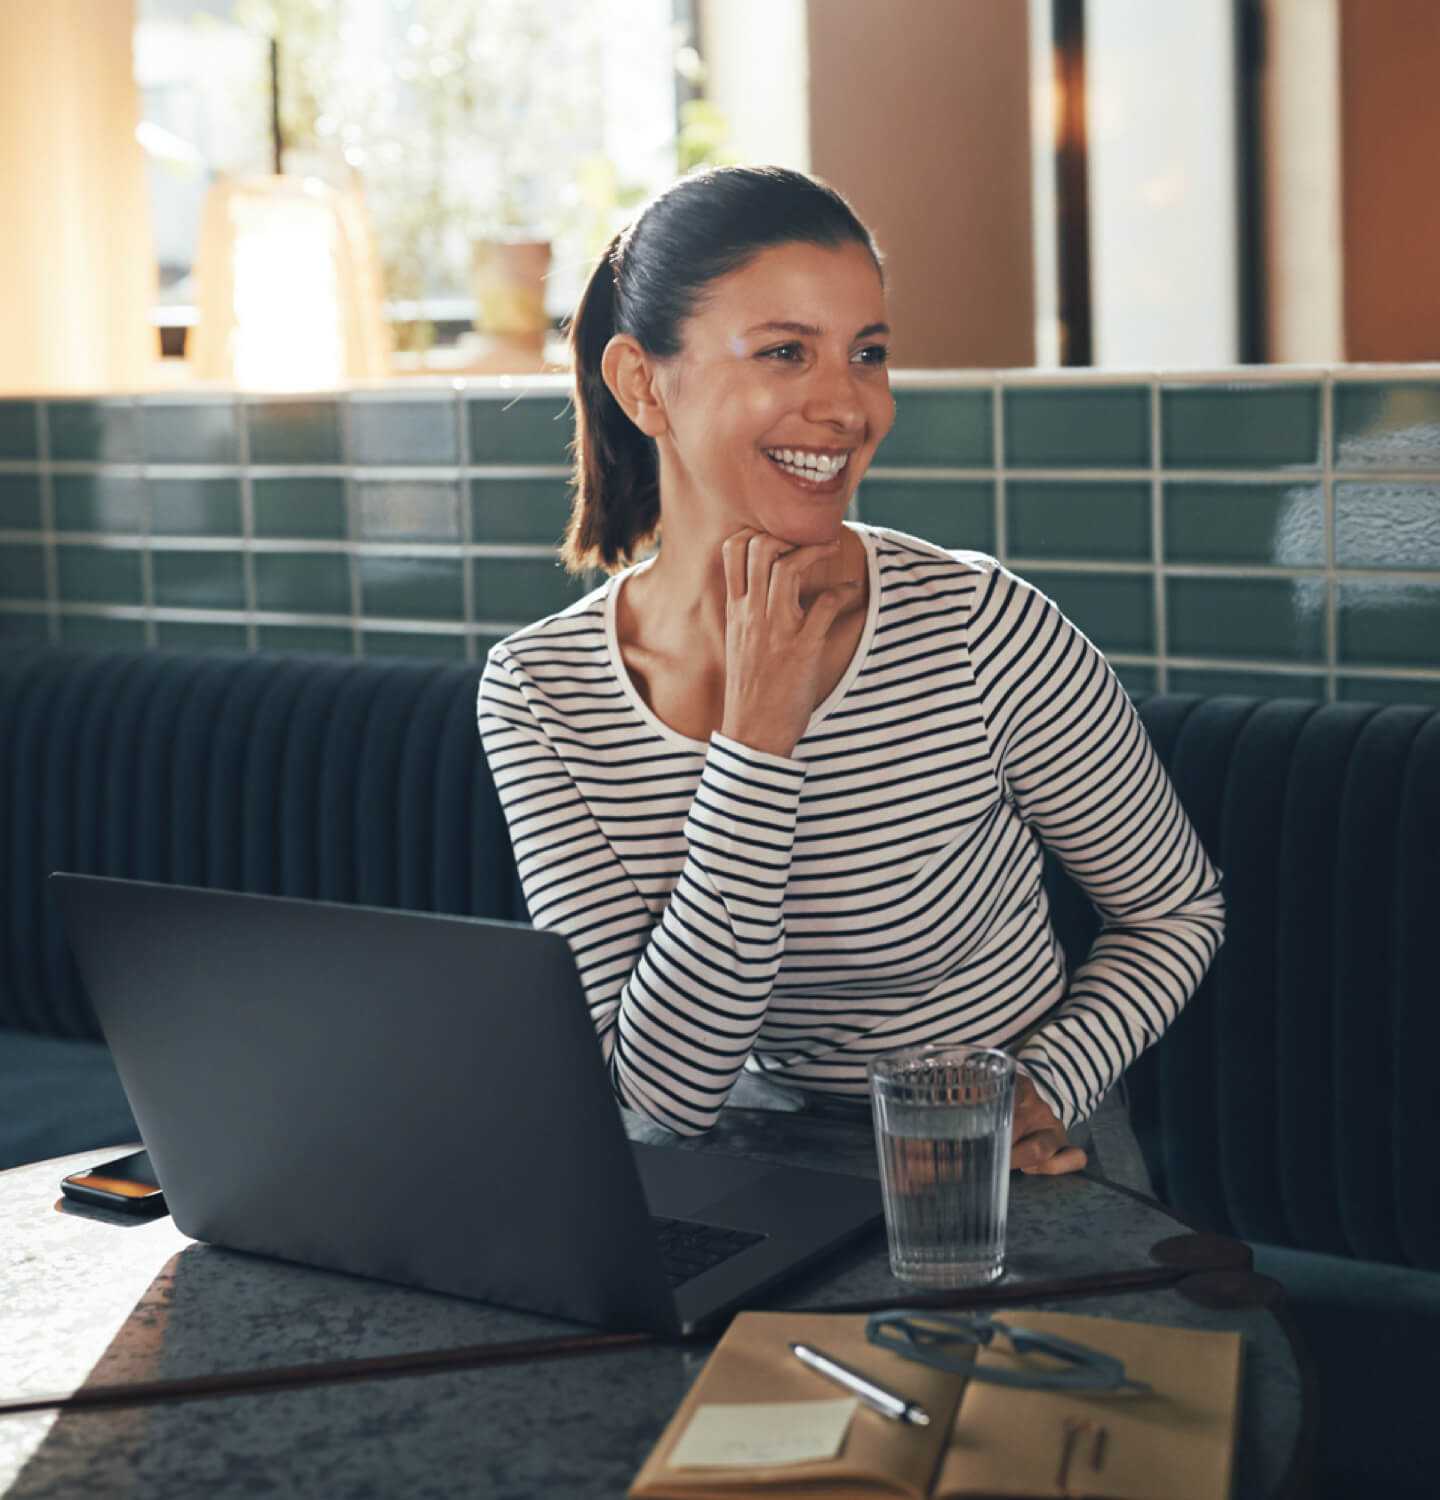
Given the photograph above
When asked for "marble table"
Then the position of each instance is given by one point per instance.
(92, 1298)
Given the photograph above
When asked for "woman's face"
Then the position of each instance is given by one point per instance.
(779, 396)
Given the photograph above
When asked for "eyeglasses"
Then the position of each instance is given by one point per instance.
(928, 1338)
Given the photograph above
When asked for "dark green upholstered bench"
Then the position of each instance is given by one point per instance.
(1292, 1104)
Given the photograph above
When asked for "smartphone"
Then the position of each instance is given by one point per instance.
(127, 1184)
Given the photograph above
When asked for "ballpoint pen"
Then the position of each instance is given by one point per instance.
(887, 1403)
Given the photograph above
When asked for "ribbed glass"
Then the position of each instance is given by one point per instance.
(942, 1131)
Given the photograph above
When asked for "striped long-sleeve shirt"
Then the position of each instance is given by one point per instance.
(879, 887)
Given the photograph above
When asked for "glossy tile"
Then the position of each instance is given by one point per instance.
(22, 571)
(1387, 424)
(195, 507)
(19, 432)
(941, 429)
(94, 431)
(20, 504)
(199, 580)
(1388, 690)
(519, 511)
(324, 640)
(100, 632)
(1279, 619)
(191, 432)
(1116, 610)
(520, 430)
(1240, 426)
(99, 502)
(1251, 524)
(99, 575)
(407, 511)
(199, 635)
(417, 588)
(403, 432)
(1214, 683)
(309, 508)
(294, 432)
(316, 583)
(948, 512)
(414, 643)
(1134, 678)
(1108, 521)
(1388, 624)
(484, 640)
(1387, 525)
(1055, 427)
(23, 629)
(517, 590)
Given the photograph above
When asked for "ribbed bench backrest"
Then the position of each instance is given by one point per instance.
(321, 777)
(1295, 1100)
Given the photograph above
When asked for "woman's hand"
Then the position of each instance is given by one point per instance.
(773, 646)
(1039, 1140)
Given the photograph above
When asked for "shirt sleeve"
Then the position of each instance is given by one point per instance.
(1075, 761)
(678, 1003)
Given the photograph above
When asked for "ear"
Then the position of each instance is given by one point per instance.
(633, 380)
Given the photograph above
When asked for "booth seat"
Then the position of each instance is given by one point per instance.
(1293, 1104)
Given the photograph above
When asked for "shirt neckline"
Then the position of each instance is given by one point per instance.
(822, 710)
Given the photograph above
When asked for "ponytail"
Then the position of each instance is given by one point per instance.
(615, 508)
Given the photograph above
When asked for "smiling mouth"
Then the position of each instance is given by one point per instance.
(822, 471)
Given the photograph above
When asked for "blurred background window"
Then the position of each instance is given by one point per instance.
(464, 124)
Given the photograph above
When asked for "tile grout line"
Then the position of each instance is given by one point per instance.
(1327, 481)
(247, 518)
(467, 523)
(352, 529)
(50, 558)
(1001, 481)
(1159, 596)
(147, 532)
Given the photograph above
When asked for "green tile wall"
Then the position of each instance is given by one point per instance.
(1234, 532)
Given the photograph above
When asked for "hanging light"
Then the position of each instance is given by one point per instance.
(288, 287)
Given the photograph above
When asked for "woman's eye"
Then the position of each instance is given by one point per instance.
(880, 354)
(783, 350)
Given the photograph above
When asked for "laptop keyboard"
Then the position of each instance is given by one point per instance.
(688, 1248)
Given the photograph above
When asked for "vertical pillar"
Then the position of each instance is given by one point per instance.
(77, 266)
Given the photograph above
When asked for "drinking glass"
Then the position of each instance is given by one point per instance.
(942, 1130)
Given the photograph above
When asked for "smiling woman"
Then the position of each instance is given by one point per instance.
(786, 785)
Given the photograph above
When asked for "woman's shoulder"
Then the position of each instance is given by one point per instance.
(573, 637)
(917, 564)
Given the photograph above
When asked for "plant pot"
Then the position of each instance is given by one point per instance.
(508, 281)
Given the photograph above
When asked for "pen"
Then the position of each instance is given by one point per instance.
(887, 1403)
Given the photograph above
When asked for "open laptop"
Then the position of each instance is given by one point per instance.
(420, 1099)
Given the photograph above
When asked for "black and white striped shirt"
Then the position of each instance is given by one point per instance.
(879, 888)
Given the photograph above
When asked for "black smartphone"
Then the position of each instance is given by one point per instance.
(127, 1184)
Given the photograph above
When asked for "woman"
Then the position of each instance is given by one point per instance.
(784, 786)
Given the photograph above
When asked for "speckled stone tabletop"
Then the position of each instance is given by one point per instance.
(88, 1297)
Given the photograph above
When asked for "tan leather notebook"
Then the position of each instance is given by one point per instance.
(1176, 1443)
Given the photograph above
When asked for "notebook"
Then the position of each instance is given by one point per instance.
(983, 1440)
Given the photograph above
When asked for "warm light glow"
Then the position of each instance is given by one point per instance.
(289, 297)
(286, 302)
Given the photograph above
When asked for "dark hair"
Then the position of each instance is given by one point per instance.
(648, 282)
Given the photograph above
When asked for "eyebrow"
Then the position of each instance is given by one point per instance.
(809, 328)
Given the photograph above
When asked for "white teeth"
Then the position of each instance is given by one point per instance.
(809, 465)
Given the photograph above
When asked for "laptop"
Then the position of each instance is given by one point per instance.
(420, 1099)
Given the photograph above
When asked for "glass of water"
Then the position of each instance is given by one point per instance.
(942, 1129)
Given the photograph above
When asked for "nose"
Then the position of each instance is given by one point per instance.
(833, 397)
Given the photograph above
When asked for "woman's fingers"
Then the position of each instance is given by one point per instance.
(1046, 1151)
(732, 554)
(1071, 1159)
